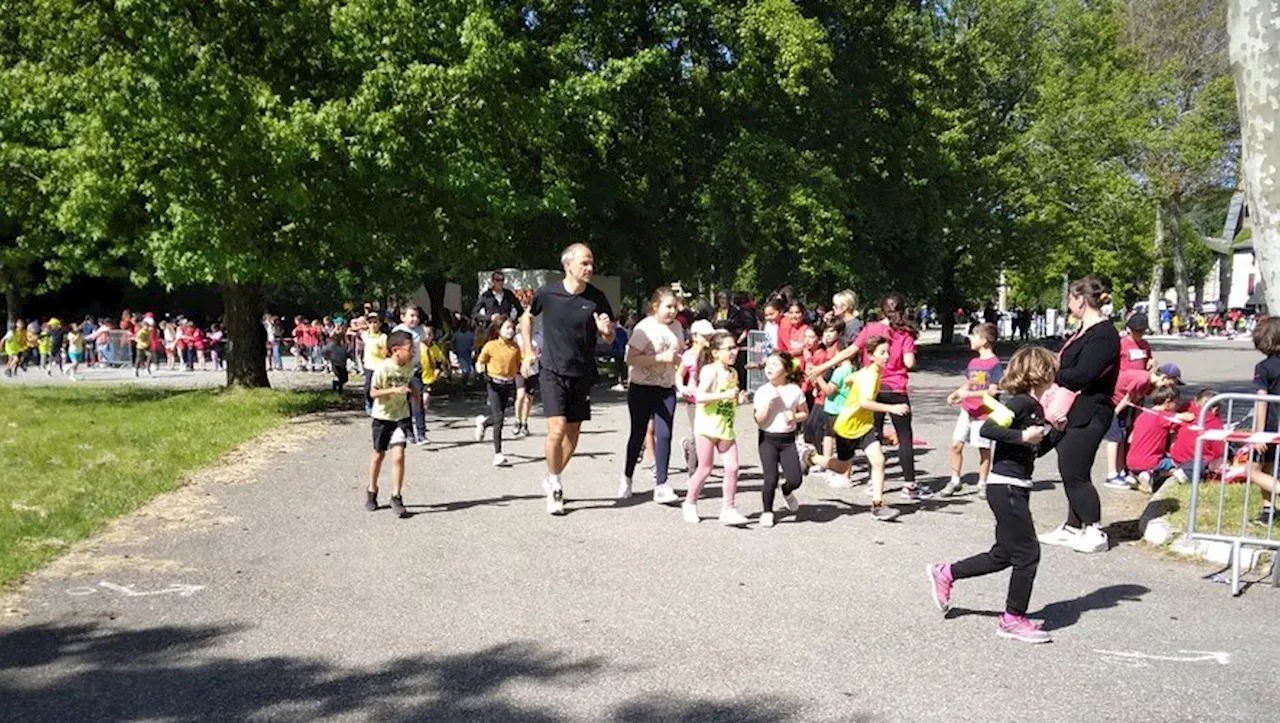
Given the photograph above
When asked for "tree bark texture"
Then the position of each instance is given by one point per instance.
(1173, 237)
(1157, 272)
(246, 337)
(12, 299)
(1254, 30)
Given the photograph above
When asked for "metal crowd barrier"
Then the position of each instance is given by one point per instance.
(1235, 467)
(758, 349)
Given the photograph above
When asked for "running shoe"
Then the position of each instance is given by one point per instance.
(917, 493)
(731, 517)
(624, 487)
(1180, 476)
(839, 481)
(664, 495)
(1022, 629)
(519, 432)
(555, 497)
(370, 500)
(500, 460)
(807, 453)
(940, 581)
(1266, 517)
(953, 487)
(397, 506)
(982, 490)
(792, 503)
(1116, 482)
(883, 513)
(480, 425)
(766, 519)
(1090, 540)
(1062, 536)
(690, 512)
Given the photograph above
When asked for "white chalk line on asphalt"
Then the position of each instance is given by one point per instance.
(1187, 656)
(179, 589)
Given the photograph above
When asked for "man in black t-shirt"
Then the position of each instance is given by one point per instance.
(575, 317)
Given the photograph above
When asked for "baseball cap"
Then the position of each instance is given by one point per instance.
(1173, 371)
(702, 327)
(1137, 322)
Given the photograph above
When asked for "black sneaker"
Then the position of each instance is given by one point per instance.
(1266, 518)
(397, 506)
(370, 500)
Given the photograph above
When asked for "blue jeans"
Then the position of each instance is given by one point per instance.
(646, 402)
(277, 361)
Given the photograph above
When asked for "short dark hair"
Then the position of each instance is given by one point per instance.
(1164, 395)
(1266, 336)
(399, 338)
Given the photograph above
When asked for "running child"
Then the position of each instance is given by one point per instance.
(700, 333)
(1266, 416)
(526, 386)
(392, 428)
(15, 345)
(815, 424)
(780, 408)
(1031, 371)
(717, 396)
(499, 360)
(855, 427)
(982, 377)
(75, 350)
(835, 391)
(411, 323)
(45, 347)
(142, 344)
(434, 365)
(337, 354)
(375, 351)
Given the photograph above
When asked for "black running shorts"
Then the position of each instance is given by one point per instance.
(568, 397)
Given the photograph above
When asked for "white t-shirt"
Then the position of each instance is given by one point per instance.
(418, 333)
(779, 400)
(653, 337)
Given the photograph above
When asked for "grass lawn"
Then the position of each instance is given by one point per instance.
(75, 458)
(1207, 512)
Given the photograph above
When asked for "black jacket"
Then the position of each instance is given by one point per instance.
(1090, 365)
(488, 305)
(1013, 457)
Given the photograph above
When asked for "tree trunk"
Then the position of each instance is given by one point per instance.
(1173, 232)
(435, 286)
(1157, 273)
(1253, 27)
(1224, 278)
(12, 298)
(948, 301)
(246, 338)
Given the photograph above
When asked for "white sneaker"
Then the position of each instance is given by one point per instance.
(617, 388)
(1090, 540)
(839, 481)
(690, 511)
(792, 503)
(1062, 536)
(624, 488)
(766, 519)
(664, 495)
(479, 434)
(500, 460)
(731, 517)
(555, 497)
(982, 489)
(951, 488)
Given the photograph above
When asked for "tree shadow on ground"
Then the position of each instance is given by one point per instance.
(1065, 613)
(175, 674)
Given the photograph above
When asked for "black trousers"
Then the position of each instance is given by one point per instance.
(1016, 546)
(500, 396)
(342, 376)
(906, 437)
(779, 450)
(646, 402)
(1076, 452)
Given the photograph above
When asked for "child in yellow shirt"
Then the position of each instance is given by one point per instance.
(499, 360)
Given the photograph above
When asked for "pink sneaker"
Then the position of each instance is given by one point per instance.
(940, 578)
(1022, 629)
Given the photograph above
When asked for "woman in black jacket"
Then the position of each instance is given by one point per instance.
(1088, 364)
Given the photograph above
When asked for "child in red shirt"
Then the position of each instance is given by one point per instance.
(1132, 386)
(1148, 455)
(1183, 449)
(1135, 351)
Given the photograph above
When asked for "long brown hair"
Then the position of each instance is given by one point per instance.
(708, 351)
(890, 307)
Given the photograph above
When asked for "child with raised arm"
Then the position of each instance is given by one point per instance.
(392, 428)
(1017, 445)
(780, 408)
(981, 378)
(855, 427)
(717, 396)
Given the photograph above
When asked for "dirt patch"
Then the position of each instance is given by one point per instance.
(193, 506)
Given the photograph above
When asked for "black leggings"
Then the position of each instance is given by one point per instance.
(906, 438)
(646, 402)
(1076, 452)
(779, 449)
(1016, 546)
(500, 395)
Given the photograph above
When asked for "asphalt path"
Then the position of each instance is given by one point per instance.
(264, 591)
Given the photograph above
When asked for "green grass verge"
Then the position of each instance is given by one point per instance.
(1179, 505)
(74, 459)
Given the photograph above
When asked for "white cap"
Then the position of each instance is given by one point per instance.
(702, 327)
